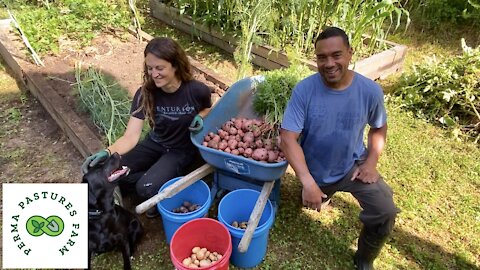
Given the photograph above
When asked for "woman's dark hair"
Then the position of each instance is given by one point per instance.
(170, 51)
(333, 32)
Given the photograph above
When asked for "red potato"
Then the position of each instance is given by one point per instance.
(227, 150)
(268, 144)
(233, 131)
(272, 156)
(211, 134)
(241, 150)
(240, 132)
(227, 125)
(222, 133)
(240, 144)
(232, 144)
(223, 145)
(238, 123)
(248, 152)
(207, 138)
(213, 144)
(259, 143)
(235, 152)
(256, 131)
(260, 154)
(205, 144)
(248, 137)
(247, 125)
(216, 138)
(257, 122)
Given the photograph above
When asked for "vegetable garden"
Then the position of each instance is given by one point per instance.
(431, 157)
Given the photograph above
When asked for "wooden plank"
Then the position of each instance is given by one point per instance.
(271, 54)
(77, 131)
(175, 188)
(255, 216)
(264, 62)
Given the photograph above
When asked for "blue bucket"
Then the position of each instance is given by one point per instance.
(197, 193)
(237, 206)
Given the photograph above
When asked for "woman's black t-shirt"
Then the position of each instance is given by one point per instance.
(174, 112)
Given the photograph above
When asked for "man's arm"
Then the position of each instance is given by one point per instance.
(367, 172)
(311, 193)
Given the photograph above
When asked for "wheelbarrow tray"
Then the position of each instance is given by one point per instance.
(236, 102)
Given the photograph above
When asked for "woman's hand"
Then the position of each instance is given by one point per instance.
(197, 124)
(94, 159)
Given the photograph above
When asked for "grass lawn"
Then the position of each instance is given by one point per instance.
(436, 181)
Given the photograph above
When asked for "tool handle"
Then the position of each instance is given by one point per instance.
(175, 188)
(255, 216)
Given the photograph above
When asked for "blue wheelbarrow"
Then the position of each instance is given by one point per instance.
(231, 171)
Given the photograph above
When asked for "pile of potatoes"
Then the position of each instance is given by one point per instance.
(186, 207)
(201, 257)
(240, 225)
(248, 138)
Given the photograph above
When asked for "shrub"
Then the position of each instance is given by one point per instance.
(447, 91)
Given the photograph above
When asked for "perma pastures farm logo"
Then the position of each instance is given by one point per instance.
(45, 226)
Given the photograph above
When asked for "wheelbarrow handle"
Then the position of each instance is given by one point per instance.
(175, 188)
(255, 216)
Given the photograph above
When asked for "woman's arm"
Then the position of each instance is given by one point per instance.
(204, 112)
(130, 138)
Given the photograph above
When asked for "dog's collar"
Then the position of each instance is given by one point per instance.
(94, 214)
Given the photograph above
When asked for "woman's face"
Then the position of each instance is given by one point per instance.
(162, 72)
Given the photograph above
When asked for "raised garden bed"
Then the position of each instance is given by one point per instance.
(53, 84)
(377, 66)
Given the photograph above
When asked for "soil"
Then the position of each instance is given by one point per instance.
(35, 144)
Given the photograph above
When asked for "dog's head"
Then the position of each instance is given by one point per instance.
(102, 179)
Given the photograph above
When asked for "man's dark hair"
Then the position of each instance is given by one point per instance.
(333, 32)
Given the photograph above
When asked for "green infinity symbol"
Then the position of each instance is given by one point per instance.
(52, 226)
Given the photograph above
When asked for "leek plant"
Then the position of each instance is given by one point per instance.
(107, 103)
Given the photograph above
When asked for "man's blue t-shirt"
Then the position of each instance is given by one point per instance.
(332, 123)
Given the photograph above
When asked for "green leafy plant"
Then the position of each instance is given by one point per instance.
(272, 95)
(107, 103)
(447, 91)
(298, 23)
(432, 13)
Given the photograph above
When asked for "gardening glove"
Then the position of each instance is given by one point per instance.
(94, 159)
(197, 124)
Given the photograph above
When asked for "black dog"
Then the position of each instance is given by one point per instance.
(110, 227)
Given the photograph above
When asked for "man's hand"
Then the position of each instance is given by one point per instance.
(366, 173)
(312, 196)
(197, 124)
(94, 159)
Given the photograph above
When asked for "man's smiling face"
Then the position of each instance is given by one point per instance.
(333, 58)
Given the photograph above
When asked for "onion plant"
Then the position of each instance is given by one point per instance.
(107, 103)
